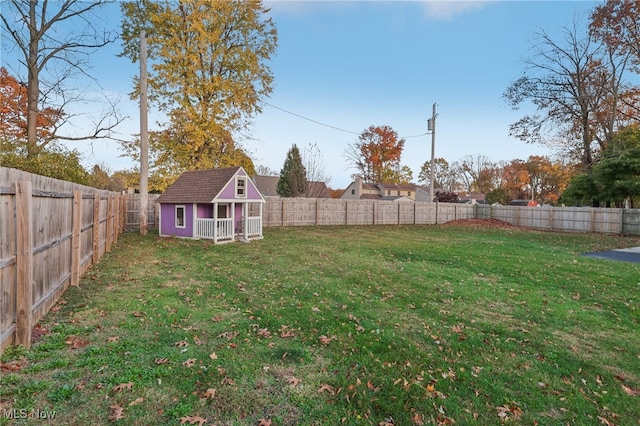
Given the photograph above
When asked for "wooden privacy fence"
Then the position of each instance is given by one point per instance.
(132, 212)
(324, 211)
(566, 219)
(51, 231)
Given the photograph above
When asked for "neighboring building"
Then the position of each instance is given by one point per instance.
(219, 204)
(524, 203)
(268, 186)
(359, 190)
(473, 198)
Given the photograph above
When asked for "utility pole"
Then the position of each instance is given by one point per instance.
(431, 126)
(144, 136)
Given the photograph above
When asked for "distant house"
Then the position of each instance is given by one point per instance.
(359, 190)
(524, 203)
(473, 198)
(268, 186)
(223, 205)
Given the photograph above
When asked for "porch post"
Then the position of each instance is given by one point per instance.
(215, 223)
(233, 221)
(260, 204)
(245, 220)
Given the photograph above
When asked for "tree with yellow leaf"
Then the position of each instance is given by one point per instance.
(208, 74)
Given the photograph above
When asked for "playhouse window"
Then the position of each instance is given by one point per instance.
(180, 213)
(241, 187)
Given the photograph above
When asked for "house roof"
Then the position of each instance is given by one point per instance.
(268, 186)
(198, 186)
(370, 196)
(399, 186)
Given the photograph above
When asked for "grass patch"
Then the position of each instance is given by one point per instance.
(342, 325)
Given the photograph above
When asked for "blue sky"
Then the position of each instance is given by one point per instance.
(354, 64)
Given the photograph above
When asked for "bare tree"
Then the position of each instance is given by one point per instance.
(574, 85)
(313, 162)
(54, 40)
(479, 173)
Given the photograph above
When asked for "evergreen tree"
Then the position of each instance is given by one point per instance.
(293, 176)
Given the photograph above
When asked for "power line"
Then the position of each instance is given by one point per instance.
(329, 125)
(309, 119)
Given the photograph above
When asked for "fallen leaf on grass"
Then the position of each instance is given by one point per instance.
(605, 421)
(630, 391)
(209, 394)
(136, 402)
(190, 362)
(192, 420)
(181, 344)
(264, 422)
(122, 386)
(213, 356)
(116, 413)
(507, 412)
(315, 309)
(293, 381)
(325, 340)
(113, 339)
(327, 388)
(11, 366)
(228, 381)
(264, 332)
(286, 334)
(160, 361)
(417, 420)
(75, 342)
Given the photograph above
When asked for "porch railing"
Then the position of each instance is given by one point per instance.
(254, 226)
(205, 228)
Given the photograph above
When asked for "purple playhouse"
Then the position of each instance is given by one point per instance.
(223, 205)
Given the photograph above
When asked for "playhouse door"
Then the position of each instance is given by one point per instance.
(239, 219)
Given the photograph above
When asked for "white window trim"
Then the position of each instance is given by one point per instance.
(244, 179)
(184, 217)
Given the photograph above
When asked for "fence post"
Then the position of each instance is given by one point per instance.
(346, 212)
(24, 262)
(76, 217)
(317, 211)
(282, 210)
(374, 211)
(109, 226)
(96, 227)
(622, 221)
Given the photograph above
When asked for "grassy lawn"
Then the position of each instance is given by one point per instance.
(341, 325)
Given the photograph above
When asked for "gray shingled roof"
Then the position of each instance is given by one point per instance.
(268, 186)
(198, 186)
